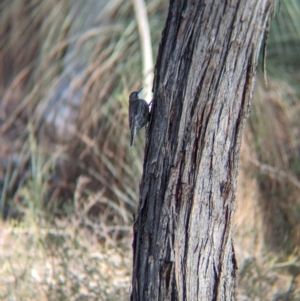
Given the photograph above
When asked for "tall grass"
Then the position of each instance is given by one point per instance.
(74, 68)
(69, 182)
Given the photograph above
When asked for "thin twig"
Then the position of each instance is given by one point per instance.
(275, 173)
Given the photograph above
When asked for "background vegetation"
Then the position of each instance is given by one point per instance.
(69, 183)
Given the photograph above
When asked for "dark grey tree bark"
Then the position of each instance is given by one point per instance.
(204, 77)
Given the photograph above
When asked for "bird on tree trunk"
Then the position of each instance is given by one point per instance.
(138, 113)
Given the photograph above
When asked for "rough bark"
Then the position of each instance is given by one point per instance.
(204, 77)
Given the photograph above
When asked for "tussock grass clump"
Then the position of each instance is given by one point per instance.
(267, 219)
(275, 144)
(74, 66)
(68, 179)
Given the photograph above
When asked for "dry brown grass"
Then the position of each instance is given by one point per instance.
(275, 146)
(60, 263)
(69, 182)
(268, 216)
(67, 72)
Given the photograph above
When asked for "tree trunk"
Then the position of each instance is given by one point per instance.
(204, 77)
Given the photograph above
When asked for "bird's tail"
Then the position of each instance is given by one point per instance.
(133, 132)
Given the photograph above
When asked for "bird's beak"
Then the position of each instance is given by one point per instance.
(140, 94)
